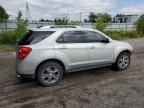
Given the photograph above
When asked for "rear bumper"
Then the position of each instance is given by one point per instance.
(30, 76)
(25, 67)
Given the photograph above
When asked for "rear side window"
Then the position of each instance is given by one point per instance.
(70, 37)
(33, 37)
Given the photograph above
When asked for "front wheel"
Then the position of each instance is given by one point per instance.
(122, 61)
(49, 73)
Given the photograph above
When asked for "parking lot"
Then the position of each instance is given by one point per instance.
(97, 88)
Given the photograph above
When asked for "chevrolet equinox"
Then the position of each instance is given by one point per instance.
(46, 54)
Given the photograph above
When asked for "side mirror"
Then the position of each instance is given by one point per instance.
(105, 40)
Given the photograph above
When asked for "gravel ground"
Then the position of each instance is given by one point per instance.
(97, 88)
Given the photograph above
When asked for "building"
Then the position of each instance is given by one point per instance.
(125, 19)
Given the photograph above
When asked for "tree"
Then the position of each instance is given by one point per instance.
(101, 20)
(21, 25)
(19, 17)
(85, 20)
(92, 17)
(41, 20)
(105, 17)
(3, 14)
(120, 15)
(47, 20)
(140, 25)
(61, 20)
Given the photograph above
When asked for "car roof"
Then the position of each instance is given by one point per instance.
(68, 29)
(62, 29)
(60, 26)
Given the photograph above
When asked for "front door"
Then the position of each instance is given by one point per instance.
(99, 52)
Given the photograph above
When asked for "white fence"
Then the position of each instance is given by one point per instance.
(5, 26)
(120, 26)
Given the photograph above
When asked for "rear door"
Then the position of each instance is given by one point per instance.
(70, 45)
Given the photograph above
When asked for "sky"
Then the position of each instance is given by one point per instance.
(49, 9)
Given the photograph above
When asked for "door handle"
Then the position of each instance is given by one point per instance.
(92, 47)
(63, 47)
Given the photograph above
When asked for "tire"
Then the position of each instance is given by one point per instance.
(122, 62)
(49, 74)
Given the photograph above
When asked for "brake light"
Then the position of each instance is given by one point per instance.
(23, 52)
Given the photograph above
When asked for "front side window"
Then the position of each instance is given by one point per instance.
(70, 37)
(91, 36)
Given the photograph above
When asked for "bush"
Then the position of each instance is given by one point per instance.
(100, 26)
(10, 37)
(120, 35)
(140, 25)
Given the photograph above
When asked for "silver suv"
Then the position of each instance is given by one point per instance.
(46, 54)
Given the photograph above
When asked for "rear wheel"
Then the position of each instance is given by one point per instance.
(122, 61)
(49, 74)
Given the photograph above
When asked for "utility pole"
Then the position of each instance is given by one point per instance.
(81, 23)
(80, 17)
(28, 15)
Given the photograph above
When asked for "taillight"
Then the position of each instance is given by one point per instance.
(23, 52)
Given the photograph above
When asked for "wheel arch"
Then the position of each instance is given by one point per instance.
(126, 51)
(50, 60)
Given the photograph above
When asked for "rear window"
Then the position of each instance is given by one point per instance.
(32, 37)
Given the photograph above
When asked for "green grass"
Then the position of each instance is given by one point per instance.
(7, 48)
(10, 37)
(122, 35)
